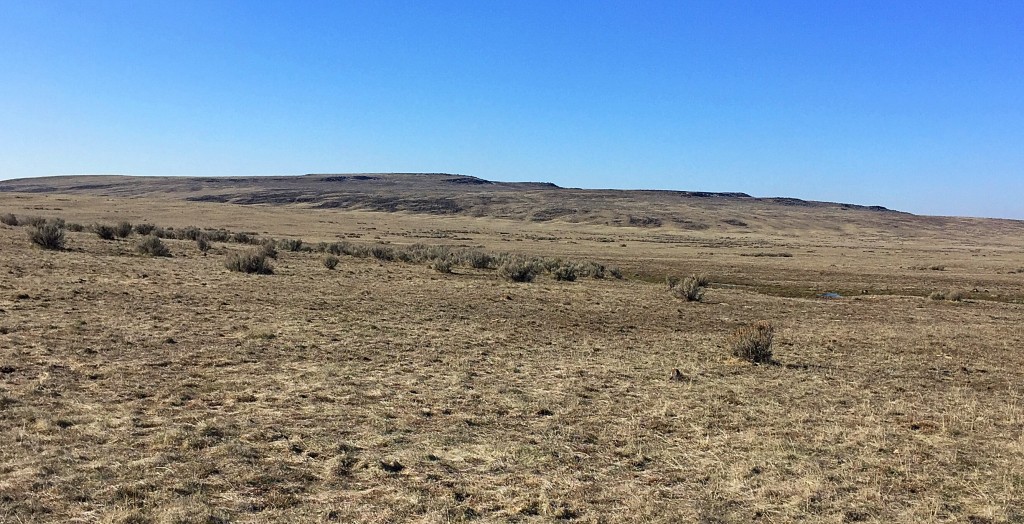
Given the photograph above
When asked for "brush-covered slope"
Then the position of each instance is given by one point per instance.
(446, 194)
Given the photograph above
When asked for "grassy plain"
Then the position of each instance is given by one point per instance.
(142, 389)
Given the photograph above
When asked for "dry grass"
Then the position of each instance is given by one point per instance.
(173, 390)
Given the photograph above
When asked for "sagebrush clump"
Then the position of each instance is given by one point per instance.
(123, 229)
(188, 233)
(442, 265)
(952, 295)
(251, 262)
(518, 270)
(478, 260)
(152, 246)
(35, 221)
(268, 249)
(104, 231)
(383, 253)
(290, 244)
(754, 342)
(590, 269)
(565, 273)
(49, 235)
(690, 289)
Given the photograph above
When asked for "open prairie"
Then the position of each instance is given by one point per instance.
(138, 388)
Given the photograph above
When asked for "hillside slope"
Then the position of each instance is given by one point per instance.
(445, 194)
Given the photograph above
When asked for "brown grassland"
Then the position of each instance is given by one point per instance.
(171, 390)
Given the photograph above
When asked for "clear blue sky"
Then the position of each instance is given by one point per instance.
(917, 106)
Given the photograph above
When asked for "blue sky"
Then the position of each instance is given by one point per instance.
(917, 106)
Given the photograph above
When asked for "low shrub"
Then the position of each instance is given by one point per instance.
(188, 233)
(330, 261)
(104, 231)
(290, 244)
(671, 281)
(754, 342)
(384, 253)
(478, 260)
(152, 246)
(268, 249)
(436, 253)
(518, 270)
(345, 248)
(123, 229)
(548, 265)
(76, 227)
(412, 254)
(590, 269)
(33, 221)
(49, 235)
(952, 295)
(217, 235)
(691, 289)
(565, 273)
(335, 248)
(442, 265)
(253, 262)
(8, 219)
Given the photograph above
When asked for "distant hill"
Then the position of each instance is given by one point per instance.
(448, 194)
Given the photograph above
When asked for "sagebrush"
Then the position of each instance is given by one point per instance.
(754, 342)
(690, 289)
(49, 235)
(152, 246)
(250, 262)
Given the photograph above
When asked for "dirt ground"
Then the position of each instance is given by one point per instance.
(150, 389)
